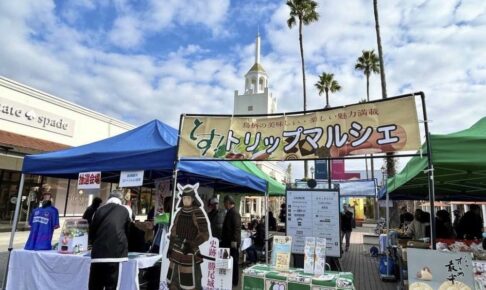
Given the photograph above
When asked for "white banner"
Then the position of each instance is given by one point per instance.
(131, 178)
(357, 188)
(89, 180)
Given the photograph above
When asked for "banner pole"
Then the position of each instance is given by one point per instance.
(14, 227)
(430, 173)
(266, 224)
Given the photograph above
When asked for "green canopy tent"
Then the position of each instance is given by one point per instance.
(275, 188)
(459, 161)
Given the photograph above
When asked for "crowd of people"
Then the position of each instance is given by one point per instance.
(468, 226)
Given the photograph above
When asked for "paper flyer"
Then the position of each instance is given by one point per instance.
(320, 262)
(282, 246)
(309, 255)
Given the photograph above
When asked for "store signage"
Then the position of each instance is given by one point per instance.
(357, 188)
(314, 213)
(378, 127)
(321, 169)
(89, 180)
(131, 178)
(431, 269)
(34, 117)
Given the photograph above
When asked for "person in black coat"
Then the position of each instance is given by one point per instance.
(231, 236)
(443, 228)
(109, 231)
(272, 222)
(471, 224)
(346, 225)
(89, 212)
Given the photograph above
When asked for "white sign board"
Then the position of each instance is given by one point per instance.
(357, 188)
(131, 178)
(89, 180)
(314, 213)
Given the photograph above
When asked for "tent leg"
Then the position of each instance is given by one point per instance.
(266, 226)
(174, 194)
(14, 227)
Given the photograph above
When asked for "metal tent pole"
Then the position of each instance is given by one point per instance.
(430, 173)
(14, 227)
(266, 224)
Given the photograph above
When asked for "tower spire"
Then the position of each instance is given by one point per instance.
(257, 47)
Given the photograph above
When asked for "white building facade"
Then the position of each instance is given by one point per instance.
(31, 122)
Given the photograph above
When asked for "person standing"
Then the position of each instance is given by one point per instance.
(405, 217)
(471, 224)
(216, 217)
(346, 225)
(109, 231)
(231, 236)
(43, 221)
(89, 212)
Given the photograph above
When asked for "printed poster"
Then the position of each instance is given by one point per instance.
(314, 213)
(176, 247)
(309, 255)
(436, 270)
(320, 261)
(281, 252)
(352, 130)
(162, 191)
(89, 180)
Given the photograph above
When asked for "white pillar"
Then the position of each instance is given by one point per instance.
(483, 209)
(466, 208)
(453, 208)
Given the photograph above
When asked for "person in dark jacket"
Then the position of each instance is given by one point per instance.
(89, 212)
(272, 222)
(189, 230)
(346, 225)
(443, 228)
(471, 224)
(108, 232)
(216, 217)
(231, 237)
(405, 217)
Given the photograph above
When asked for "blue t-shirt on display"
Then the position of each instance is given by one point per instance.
(43, 221)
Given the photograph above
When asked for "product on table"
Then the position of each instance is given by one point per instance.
(420, 286)
(74, 236)
(448, 285)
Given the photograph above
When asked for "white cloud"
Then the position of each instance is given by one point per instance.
(433, 46)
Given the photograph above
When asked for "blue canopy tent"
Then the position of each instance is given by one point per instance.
(151, 147)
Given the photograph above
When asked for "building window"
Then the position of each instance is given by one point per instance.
(250, 108)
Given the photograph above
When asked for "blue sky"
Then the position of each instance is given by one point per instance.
(140, 60)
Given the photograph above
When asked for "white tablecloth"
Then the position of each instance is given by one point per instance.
(50, 270)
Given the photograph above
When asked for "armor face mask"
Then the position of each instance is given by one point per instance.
(187, 201)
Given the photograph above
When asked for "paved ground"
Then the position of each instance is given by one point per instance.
(357, 260)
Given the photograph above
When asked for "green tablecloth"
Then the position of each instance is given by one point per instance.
(264, 277)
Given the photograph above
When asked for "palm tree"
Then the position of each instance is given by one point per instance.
(390, 161)
(327, 84)
(368, 63)
(302, 12)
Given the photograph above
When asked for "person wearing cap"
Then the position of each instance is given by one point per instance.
(231, 236)
(190, 229)
(216, 217)
(108, 233)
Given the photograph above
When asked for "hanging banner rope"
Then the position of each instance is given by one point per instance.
(368, 128)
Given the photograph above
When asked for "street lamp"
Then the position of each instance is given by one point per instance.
(312, 171)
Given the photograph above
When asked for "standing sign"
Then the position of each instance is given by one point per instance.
(89, 180)
(314, 213)
(198, 250)
(131, 178)
(352, 130)
(430, 270)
